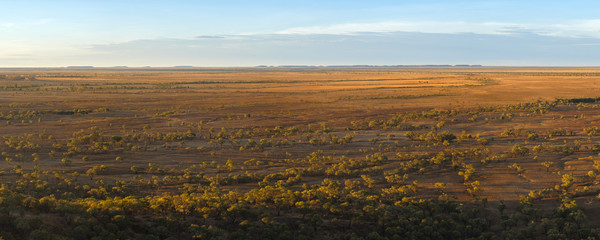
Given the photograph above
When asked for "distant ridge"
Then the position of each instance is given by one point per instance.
(80, 67)
(427, 65)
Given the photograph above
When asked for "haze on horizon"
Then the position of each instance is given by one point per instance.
(249, 33)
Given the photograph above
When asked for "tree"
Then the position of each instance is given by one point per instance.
(547, 164)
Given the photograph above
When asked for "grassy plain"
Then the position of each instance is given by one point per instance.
(524, 138)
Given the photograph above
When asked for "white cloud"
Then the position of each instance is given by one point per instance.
(423, 27)
(581, 28)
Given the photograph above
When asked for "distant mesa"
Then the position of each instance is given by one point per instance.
(80, 67)
(466, 65)
(296, 66)
(366, 66)
(306, 66)
(351, 66)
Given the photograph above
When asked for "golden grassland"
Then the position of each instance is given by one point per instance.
(523, 138)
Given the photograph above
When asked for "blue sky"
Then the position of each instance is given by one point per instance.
(249, 33)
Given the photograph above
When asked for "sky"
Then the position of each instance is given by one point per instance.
(250, 33)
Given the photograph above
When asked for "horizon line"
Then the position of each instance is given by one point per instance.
(84, 67)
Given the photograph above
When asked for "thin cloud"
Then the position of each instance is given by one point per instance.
(386, 48)
(42, 21)
(35, 22)
(7, 24)
(582, 28)
(587, 44)
(422, 27)
(506, 46)
(209, 36)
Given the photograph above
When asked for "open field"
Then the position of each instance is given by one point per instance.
(300, 153)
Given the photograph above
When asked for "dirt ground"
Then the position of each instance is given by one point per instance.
(263, 103)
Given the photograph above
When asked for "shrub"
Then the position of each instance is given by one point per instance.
(519, 150)
(483, 141)
(532, 136)
(509, 133)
